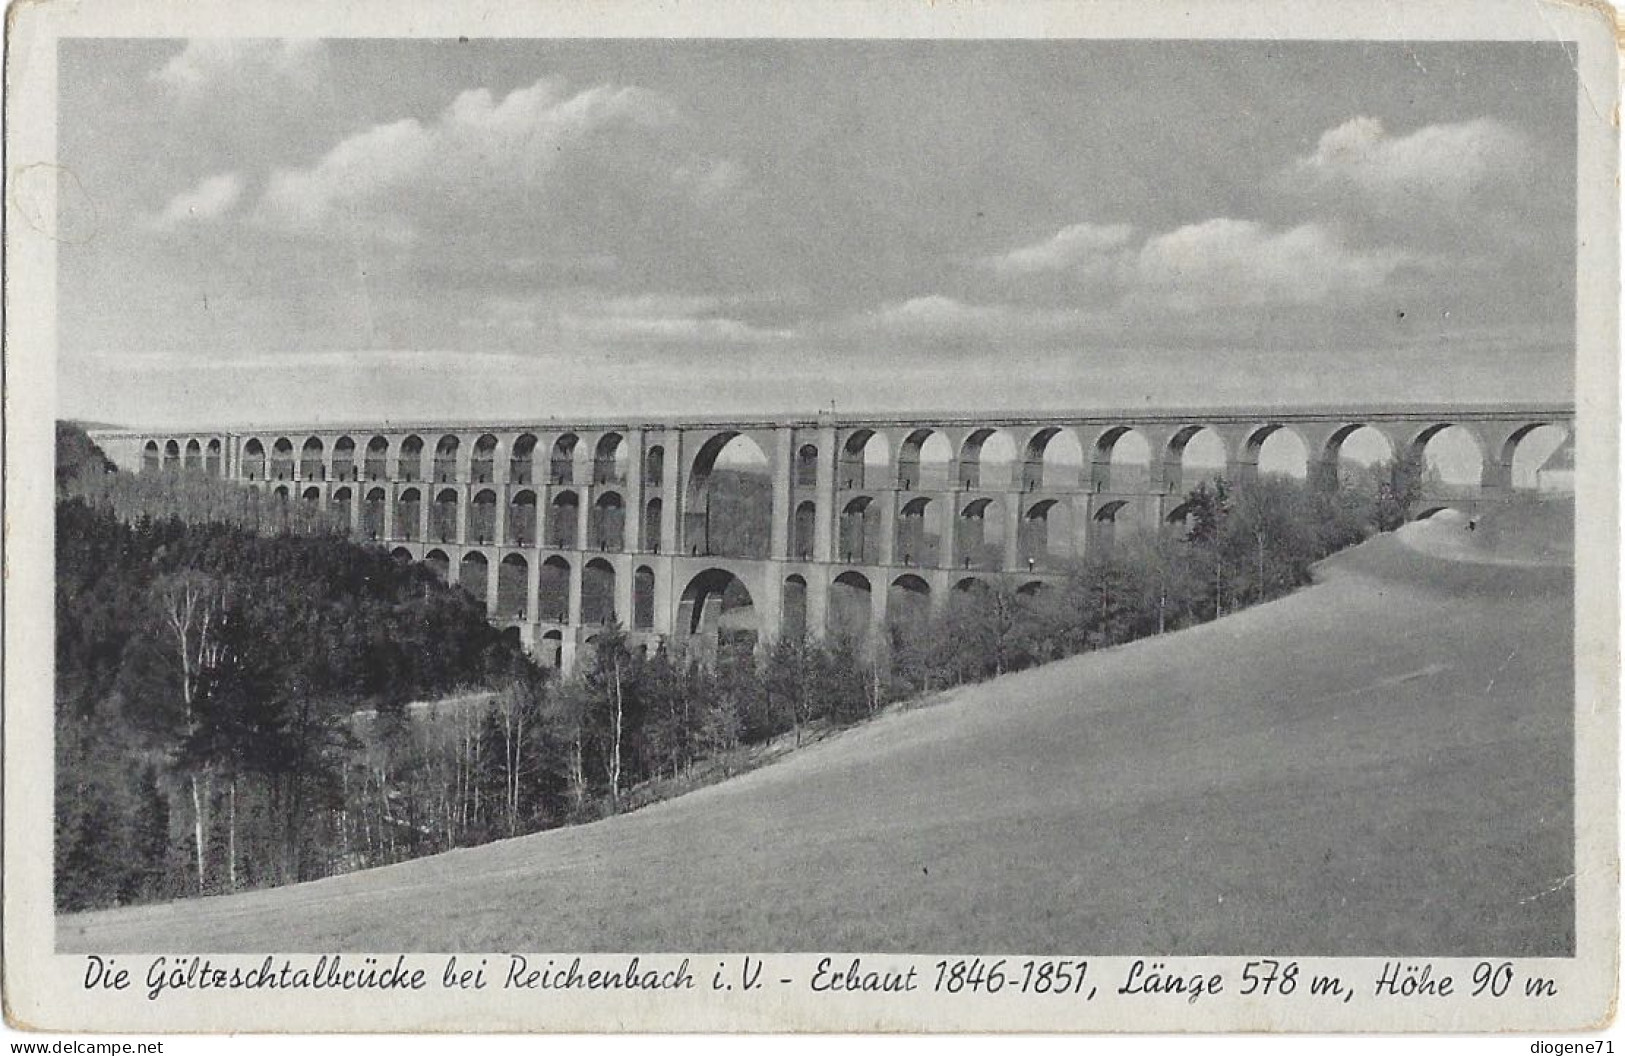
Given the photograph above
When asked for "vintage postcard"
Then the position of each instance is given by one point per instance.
(891, 517)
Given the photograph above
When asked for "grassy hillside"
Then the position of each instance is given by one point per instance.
(1379, 764)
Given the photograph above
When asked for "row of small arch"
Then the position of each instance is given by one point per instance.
(606, 524)
(281, 460)
(598, 605)
(598, 588)
(605, 529)
(849, 598)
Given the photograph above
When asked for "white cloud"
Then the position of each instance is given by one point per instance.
(1225, 263)
(1217, 263)
(935, 317)
(203, 61)
(610, 319)
(1445, 163)
(482, 161)
(210, 199)
(356, 168)
(1089, 247)
(614, 329)
(1214, 265)
(934, 313)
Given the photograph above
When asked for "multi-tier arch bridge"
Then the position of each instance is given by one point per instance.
(565, 526)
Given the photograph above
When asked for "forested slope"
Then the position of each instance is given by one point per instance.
(1380, 764)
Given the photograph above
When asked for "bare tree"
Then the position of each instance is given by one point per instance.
(192, 605)
(617, 722)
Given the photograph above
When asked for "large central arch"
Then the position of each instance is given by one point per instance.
(729, 508)
(715, 608)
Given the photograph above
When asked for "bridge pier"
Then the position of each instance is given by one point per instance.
(888, 524)
(947, 547)
(769, 604)
(824, 494)
(818, 603)
(879, 597)
(781, 458)
(632, 496)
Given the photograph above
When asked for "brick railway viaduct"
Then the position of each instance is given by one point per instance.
(564, 526)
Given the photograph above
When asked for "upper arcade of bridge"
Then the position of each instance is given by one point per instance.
(504, 453)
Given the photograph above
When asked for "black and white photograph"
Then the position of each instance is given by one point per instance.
(996, 527)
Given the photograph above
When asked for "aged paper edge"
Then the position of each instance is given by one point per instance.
(44, 991)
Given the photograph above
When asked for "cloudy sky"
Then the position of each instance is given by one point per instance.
(342, 230)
